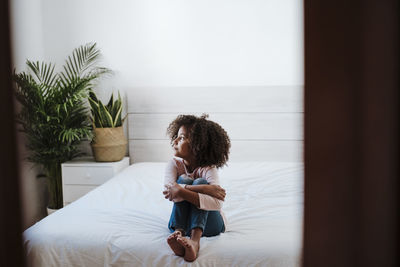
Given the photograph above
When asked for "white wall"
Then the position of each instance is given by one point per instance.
(27, 31)
(184, 42)
(27, 43)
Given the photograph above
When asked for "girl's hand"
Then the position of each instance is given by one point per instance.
(172, 191)
(215, 191)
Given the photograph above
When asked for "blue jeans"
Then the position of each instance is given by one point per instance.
(187, 216)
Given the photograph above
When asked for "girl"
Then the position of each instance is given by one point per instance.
(191, 182)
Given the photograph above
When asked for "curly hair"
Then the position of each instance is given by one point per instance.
(209, 142)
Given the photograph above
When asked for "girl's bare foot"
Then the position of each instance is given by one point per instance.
(191, 248)
(176, 247)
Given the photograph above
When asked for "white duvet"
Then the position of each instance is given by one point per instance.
(124, 221)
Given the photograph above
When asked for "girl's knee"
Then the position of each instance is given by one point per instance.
(184, 180)
(200, 181)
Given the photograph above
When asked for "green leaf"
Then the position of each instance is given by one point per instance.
(117, 118)
(111, 102)
(106, 116)
(53, 114)
(113, 109)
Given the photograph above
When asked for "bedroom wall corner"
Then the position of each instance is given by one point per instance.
(27, 43)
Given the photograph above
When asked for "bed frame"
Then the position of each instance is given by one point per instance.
(265, 123)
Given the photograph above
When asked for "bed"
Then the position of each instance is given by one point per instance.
(124, 221)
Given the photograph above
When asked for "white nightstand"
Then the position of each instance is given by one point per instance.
(82, 175)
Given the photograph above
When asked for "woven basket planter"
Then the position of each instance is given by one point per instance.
(109, 144)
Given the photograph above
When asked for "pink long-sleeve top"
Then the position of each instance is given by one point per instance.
(176, 167)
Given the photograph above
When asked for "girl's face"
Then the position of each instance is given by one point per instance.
(181, 144)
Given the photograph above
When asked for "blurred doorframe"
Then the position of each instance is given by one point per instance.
(351, 215)
(11, 253)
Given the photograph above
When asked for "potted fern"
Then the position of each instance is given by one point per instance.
(54, 115)
(109, 142)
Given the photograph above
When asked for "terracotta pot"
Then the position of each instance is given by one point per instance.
(109, 144)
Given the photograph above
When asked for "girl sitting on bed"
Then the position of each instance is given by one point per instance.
(191, 182)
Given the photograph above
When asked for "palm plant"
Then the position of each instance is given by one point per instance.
(53, 112)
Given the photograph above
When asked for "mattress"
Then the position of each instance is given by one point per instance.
(124, 221)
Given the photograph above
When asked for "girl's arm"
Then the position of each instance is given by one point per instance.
(170, 176)
(207, 199)
(174, 191)
(207, 196)
(202, 201)
(190, 192)
(171, 173)
(212, 190)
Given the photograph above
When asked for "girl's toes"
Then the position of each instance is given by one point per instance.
(176, 234)
(182, 241)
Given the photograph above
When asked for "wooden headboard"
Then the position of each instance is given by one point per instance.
(264, 123)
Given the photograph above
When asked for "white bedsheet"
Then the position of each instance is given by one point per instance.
(124, 221)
